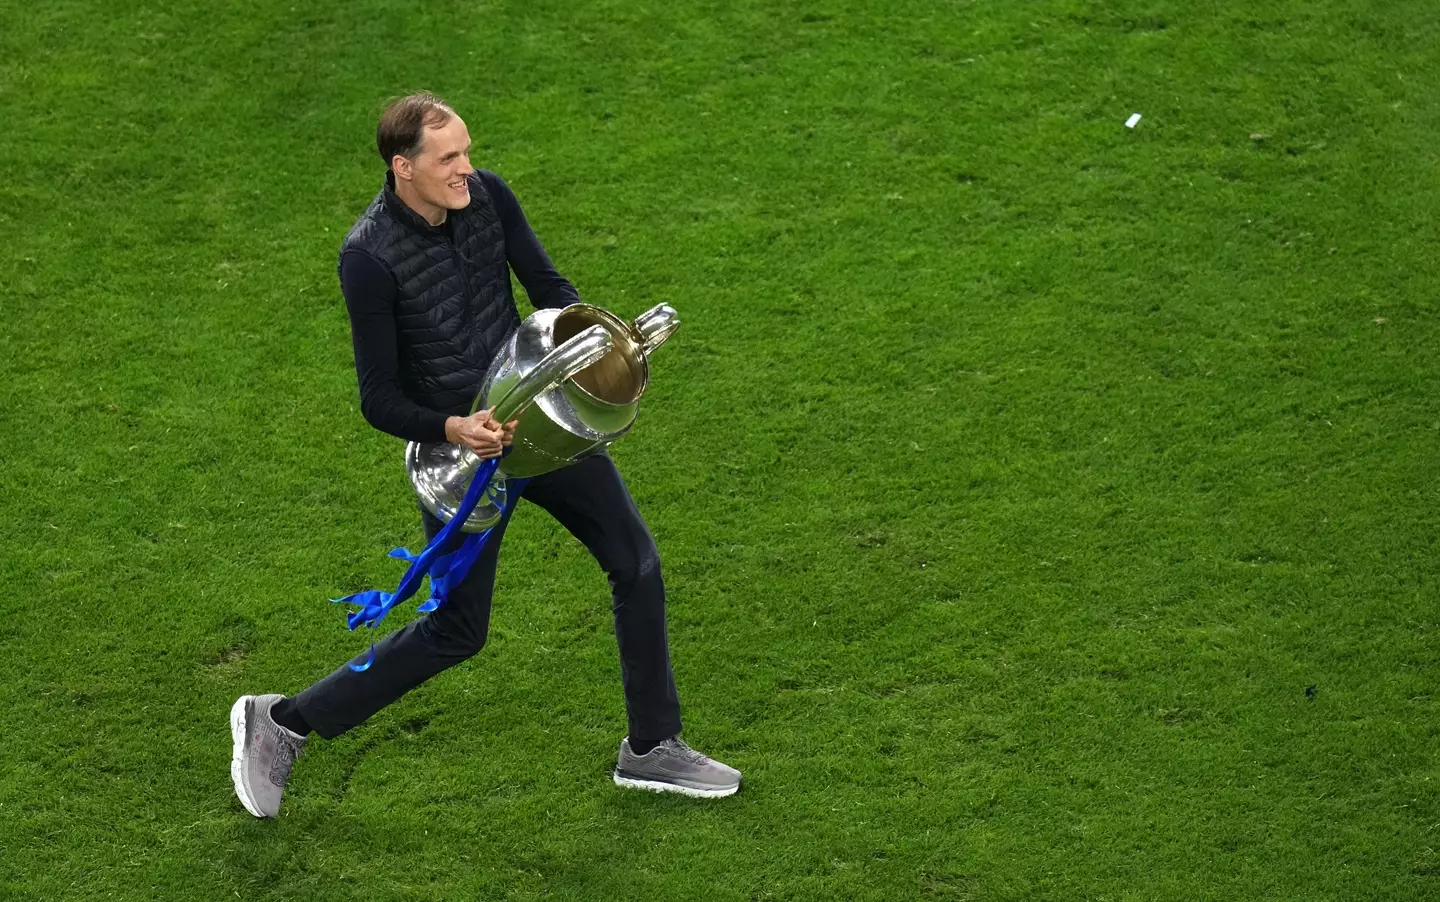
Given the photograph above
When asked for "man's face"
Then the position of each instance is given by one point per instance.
(437, 173)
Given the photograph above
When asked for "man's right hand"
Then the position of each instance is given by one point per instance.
(479, 433)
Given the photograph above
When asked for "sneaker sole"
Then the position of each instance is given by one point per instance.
(659, 786)
(237, 770)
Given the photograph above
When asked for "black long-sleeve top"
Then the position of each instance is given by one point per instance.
(370, 291)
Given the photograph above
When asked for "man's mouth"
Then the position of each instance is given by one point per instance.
(459, 186)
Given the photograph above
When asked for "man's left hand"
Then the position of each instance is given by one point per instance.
(507, 430)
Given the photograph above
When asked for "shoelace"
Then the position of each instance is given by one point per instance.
(285, 754)
(679, 749)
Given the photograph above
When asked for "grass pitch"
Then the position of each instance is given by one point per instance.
(1048, 507)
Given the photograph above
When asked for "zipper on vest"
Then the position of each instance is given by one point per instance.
(465, 287)
(459, 261)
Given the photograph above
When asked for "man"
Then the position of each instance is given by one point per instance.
(426, 278)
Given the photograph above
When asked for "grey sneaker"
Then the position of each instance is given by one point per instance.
(264, 753)
(673, 766)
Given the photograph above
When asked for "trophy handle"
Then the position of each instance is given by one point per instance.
(584, 349)
(655, 325)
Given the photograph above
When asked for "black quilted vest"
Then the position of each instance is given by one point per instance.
(454, 307)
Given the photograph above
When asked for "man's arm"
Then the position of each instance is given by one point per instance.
(370, 297)
(532, 266)
(370, 291)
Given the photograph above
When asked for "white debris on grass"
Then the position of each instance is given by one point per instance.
(1134, 118)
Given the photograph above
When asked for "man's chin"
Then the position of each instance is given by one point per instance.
(457, 201)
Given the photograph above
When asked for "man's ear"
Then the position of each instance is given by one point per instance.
(402, 167)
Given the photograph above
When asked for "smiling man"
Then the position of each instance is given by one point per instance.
(426, 278)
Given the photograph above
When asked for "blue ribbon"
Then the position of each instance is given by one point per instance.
(446, 571)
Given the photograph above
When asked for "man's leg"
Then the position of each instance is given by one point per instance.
(268, 730)
(409, 656)
(590, 500)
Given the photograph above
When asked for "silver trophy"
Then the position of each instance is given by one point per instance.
(573, 376)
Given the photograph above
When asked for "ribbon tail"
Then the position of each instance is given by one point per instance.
(369, 659)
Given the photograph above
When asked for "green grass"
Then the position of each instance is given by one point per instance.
(1015, 472)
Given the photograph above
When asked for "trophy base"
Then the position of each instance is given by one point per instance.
(490, 509)
(437, 474)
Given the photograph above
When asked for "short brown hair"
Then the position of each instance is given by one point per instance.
(402, 125)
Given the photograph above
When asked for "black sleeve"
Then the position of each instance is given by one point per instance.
(532, 266)
(369, 291)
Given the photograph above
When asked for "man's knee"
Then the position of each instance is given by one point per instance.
(639, 568)
(453, 637)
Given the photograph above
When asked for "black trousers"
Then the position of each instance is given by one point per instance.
(590, 500)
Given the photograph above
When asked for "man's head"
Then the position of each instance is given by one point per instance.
(427, 146)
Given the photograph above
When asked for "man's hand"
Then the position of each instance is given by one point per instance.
(481, 433)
